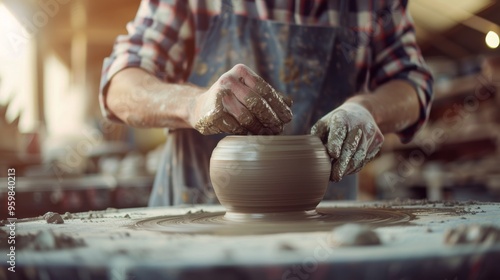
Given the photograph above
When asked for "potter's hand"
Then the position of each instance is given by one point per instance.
(351, 136)
(240, 102)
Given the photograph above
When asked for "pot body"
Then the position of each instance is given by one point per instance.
(270, 174)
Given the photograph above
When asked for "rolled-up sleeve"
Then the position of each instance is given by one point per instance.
(396, 55)
(159, 40)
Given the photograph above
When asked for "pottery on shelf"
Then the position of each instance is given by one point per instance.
(270, 174)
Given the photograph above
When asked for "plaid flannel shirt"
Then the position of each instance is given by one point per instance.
(166, 35)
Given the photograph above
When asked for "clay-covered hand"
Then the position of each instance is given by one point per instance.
(241, 102)
(351, 136)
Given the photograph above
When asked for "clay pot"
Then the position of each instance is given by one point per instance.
(269, 174)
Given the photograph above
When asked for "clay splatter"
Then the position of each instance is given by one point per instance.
(53, 218)
(353, 235)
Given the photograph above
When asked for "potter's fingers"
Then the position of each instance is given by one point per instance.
(228, 124)
(320, 129)
(370, 130)
(243, 116)
(278, 102)
(287, 99)
(369, 157)
(376, 144)
(372, 154)
(357, 161)
(349, 147)
(333, 176)
(218, 120)
(358, 169)
(225, 123)
(374, 147)
(207, 126)
(258, 107)
(336, 137)
(251, 100)
(364, 156)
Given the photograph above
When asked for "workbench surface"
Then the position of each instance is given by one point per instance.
(109, 245)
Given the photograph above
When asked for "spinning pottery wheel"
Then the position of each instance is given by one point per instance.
(277, 236)
(152, 243)
(324, 219)
(271, 184)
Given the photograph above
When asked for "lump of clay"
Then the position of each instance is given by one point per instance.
(53, 218)
(353, 235)
(68, 216)
(472, 234)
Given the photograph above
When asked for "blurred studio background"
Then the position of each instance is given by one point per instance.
(68, 158)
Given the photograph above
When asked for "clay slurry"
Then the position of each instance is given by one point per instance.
(323, 220)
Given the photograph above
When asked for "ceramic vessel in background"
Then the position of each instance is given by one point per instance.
(269, 174)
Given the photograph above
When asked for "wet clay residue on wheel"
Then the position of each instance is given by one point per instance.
(322, 220)
(350, 235)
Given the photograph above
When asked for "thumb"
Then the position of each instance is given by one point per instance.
(320, 129)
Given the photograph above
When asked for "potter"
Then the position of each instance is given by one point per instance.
(276, 67)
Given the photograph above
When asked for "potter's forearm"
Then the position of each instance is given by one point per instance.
(394, 105)
(140, 99)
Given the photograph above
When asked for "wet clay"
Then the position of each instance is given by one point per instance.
(324, 219)
(216, 120)
(241, 102)
(473, 234)
(192, 241)
(269, 174)
(68, 216)
(53, 218)
(321, 219)
(353, 235)
(351, 136)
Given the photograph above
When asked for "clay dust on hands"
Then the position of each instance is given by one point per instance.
(351, 136)
(241, 102)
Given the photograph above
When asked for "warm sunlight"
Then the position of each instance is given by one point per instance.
(16, 71)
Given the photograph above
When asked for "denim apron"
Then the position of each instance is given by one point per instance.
(304, 62)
